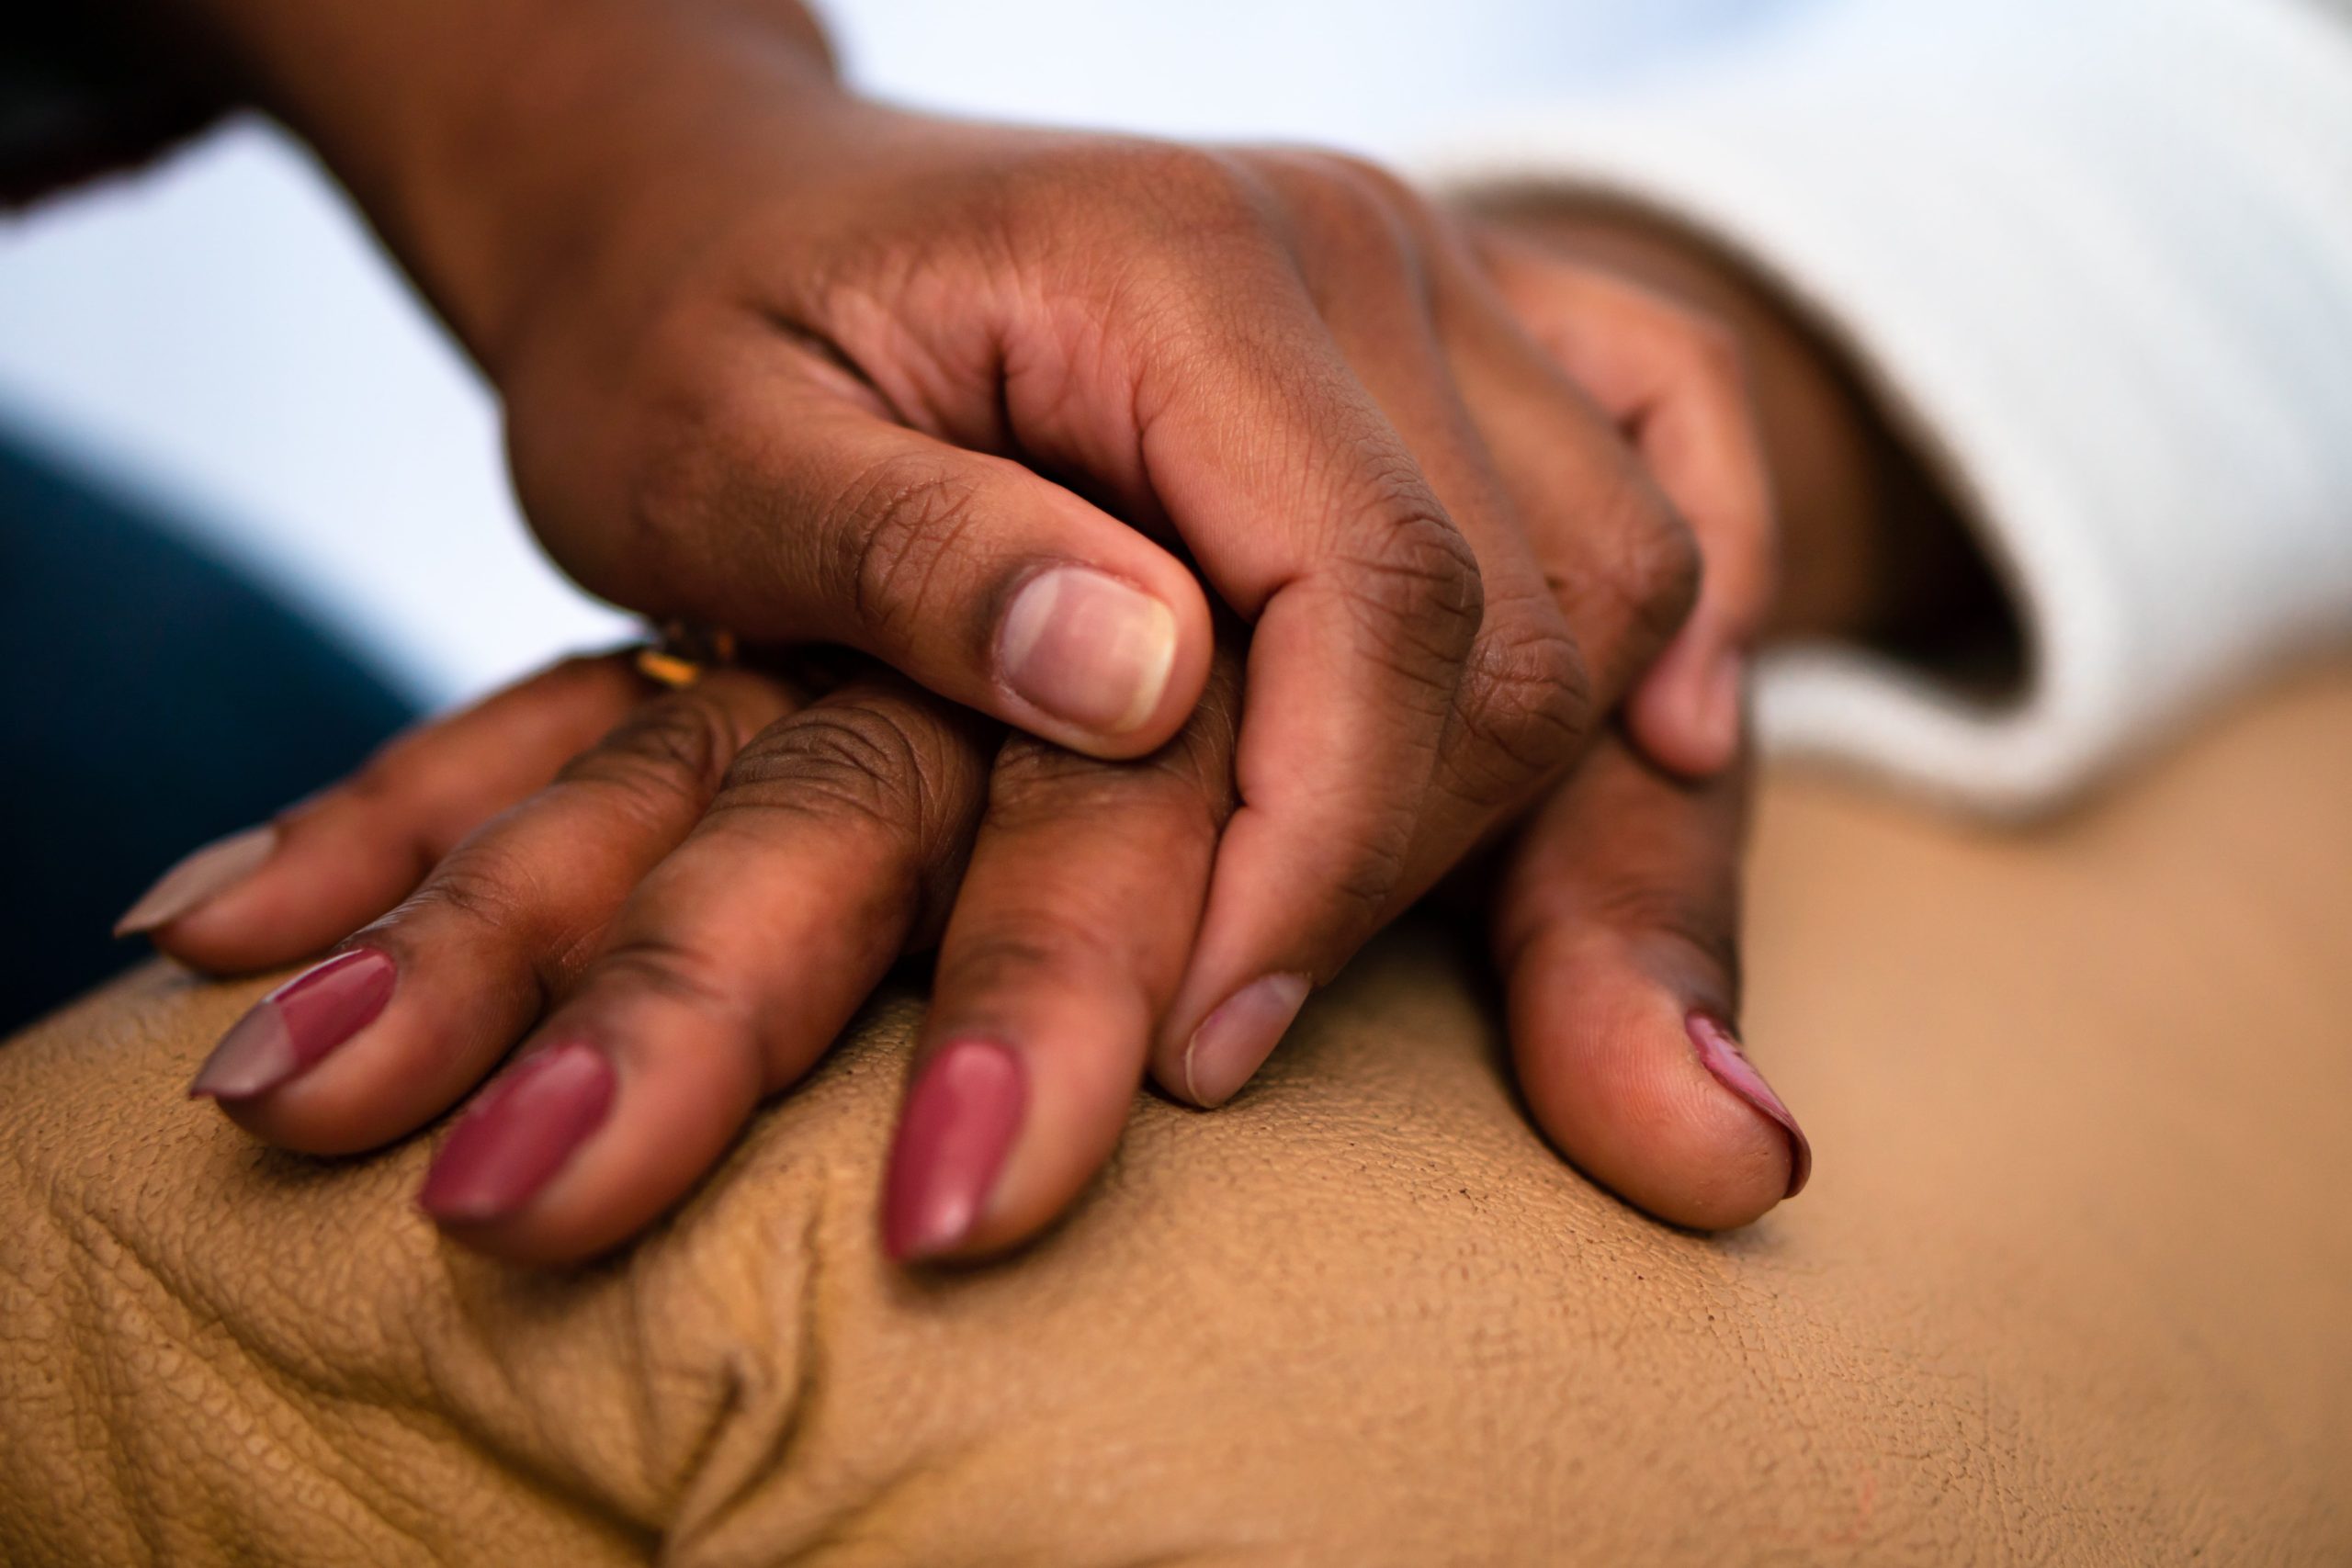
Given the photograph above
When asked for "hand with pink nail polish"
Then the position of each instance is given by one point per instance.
(1019, 413)
(806, 375)
(748, 865)
(1093, 924)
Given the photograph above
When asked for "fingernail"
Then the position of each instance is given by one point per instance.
(518, 1134)
(296, 1024)
(204, 874)
(1234, 1042)
(959, 1123)
(1719, 1051)
(1087, 648)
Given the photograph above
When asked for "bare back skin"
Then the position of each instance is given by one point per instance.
(2071, 1284)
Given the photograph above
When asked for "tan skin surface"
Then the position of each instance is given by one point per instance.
(810, 368)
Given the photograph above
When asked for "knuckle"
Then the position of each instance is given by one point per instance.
(1414, 578)
(1678, 915)
(1167, 198)
(669, 751)
(1033, 781)
(1527, 702)
(1024, 942)
(1383, 205)
(1205, 191)
(1198, 765)
(1368, 875)
(1357, 874)
(1344, 196)
(676, 972)
(1664, 572)
(910, 512)
(1367, 176)
(393, 777)
(1037, 784)
(379, 782)
(495, 901)
(692, 432)
(475, 889)
(848, 763)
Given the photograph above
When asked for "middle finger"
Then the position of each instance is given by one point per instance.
(736, 962)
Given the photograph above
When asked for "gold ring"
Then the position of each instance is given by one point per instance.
(681, 653)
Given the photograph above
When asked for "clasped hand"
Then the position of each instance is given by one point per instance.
(1231, 544)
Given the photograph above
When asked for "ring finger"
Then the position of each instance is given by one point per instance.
(1069, 936)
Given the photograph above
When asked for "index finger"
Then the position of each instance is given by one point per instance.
(1311, 516)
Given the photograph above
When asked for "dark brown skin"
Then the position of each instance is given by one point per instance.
(811, 369)
(1072, 884)
(814, 369)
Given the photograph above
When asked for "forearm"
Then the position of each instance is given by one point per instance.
(473, 133)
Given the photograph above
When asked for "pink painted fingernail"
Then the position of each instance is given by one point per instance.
(203, 875)
(1234, 1042)
(1720, 1052)
(518, 1134)
(296, 1024)
(959, 1123)
(1087, 648)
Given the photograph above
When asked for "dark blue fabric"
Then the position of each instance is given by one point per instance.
(151, 698)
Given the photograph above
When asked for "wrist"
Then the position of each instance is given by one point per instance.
(486, 141)
(607, 141)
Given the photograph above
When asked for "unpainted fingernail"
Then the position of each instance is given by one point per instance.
(519, 1134)
(291, 1028)
(1235, 1040)
(1720, 1053)
(203, 875)
(959, 1123)
(1087, 648)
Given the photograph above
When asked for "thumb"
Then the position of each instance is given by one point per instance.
(1616, 932)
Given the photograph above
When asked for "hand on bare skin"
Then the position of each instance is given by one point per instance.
(677, 935)
(675, 922)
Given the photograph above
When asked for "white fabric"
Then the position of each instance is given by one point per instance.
(2096, 257)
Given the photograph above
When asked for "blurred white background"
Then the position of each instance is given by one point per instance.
(219, 332)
